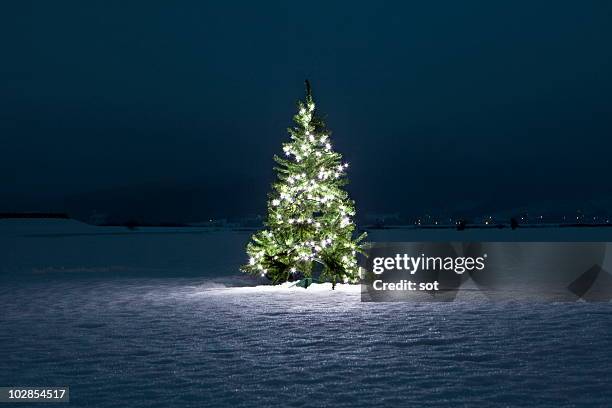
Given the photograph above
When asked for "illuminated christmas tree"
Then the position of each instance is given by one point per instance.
(309, 218)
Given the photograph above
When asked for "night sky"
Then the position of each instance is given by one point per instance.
(173, 110)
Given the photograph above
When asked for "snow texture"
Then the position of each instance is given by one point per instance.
(161, 318)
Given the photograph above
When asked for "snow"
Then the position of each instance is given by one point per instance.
(290, 287)
(49, 247)
(68, 246)
(521, 234)
(176, 342)
(162, 317)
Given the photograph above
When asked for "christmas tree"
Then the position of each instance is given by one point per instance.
(309, 220)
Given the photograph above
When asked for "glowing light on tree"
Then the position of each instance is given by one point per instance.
(310, 216)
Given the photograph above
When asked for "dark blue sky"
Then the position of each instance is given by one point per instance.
(166, 108)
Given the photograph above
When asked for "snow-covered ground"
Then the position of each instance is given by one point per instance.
(186, 342)
(67, 246)
(160, 317)
(47, 247)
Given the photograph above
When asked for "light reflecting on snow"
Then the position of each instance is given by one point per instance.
(289, 288)
(109, 313)
(194, 342)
